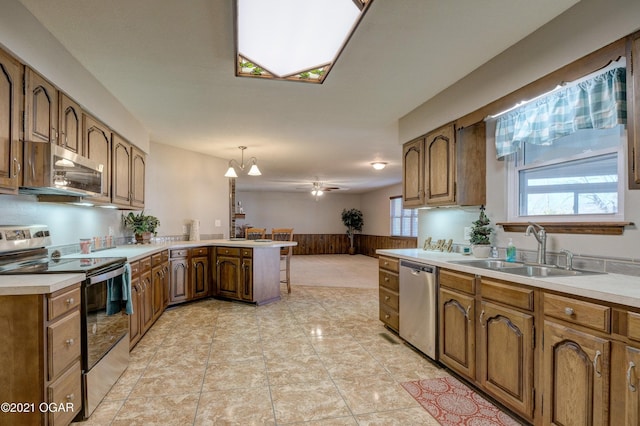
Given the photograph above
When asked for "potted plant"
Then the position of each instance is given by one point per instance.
(480, 233)
(142, 226)
(353, 220)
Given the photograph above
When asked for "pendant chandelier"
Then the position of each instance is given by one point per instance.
(253, 170)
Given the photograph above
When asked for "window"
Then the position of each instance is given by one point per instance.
(565, 151)
(580, 175)
(404, 222)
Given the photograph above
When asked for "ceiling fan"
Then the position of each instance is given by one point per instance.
(318, 188)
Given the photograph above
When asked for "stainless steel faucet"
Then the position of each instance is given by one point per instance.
(541, 236)
(569, 265)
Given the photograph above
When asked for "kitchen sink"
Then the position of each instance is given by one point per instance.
(496, 264)
(524, 269)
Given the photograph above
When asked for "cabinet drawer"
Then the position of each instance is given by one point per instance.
(389, 280)
(633, 326)
(159, 258)
(389, 317)
(389, 299)
(247, 252)
(65, 390)
(578, 312)
(228, 251)
(61, 304)
(145, 264)
(199, 251)
(458, 281)
(506, 293)
(179, 253)
(135, 269)
(388, 263)
(63, 343)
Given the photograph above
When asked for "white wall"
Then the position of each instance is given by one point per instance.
(586, 27)
(375, 209)
(184, 185)
(23, 35)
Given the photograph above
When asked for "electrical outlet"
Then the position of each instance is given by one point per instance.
(218, 222)
(467, 233)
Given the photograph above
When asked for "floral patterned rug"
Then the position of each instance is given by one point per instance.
(452, 403)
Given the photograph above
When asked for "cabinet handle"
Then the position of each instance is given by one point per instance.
(386, 263)
(481, 318)
(17, 168)
(386, 279)
(70, 397)
(595, 364)
(568, 311)
(70, 342)
(386, 298)
(70, 301)
(466, 314)
(631, 386)
(387, 316)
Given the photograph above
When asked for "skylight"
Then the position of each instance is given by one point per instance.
(292, 39)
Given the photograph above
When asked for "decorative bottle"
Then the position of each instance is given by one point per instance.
(511, 251)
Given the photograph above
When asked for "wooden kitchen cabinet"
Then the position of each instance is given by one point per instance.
(179, 277)
(41, 355)
(128, 174)
(445, 167)
(247, 274)
(138, 169)
(413, 173)
(389, 291)
(199, 273)
(10, 147)
(457, 332)
(41, 108)
(145, 292)
(160, 282)
(633, 109)
(190, 277)
(97, 147)
(70, 124)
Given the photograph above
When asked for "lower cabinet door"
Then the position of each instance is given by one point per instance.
(457, 332)
(576, 377)
(247, 279)
(632, 393)
(505, 360)
(179, 280)
(228, 275)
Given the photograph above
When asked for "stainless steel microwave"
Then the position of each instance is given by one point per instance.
(53, 170)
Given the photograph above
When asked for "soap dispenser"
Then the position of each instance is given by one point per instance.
(511, 251)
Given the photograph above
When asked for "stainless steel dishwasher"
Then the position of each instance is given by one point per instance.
(418, 306)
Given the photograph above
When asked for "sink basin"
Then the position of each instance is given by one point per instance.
(497, 264)
(523, 269)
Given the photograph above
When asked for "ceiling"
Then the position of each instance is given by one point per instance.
(171, 64)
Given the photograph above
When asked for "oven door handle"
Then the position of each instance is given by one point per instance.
(106, 275)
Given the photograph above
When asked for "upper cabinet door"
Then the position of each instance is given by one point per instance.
(138, 167)
(10, 154)
(413, 173)
(70, 125)
(440, 162)
(97, 147)
(121, 176)
(41, 108)
(633, 109)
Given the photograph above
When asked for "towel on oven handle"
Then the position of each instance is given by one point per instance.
(119, 293)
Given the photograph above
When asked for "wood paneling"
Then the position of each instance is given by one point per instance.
(339, 243)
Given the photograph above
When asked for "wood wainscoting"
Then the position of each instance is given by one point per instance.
(339, 243)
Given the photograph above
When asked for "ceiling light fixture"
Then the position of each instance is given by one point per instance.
(317, 190)
(379, 165)
(253, 170)
(293, 40)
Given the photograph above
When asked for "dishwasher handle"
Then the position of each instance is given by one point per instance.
(418, 267)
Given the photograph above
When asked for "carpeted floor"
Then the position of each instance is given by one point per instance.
(334, 270)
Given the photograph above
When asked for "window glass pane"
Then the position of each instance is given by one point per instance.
(585, 186)
(404, 222)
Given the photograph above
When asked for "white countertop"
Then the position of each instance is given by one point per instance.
(48, 283)
(36, 284)
(614, 288)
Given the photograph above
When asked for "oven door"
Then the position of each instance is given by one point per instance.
(103, 328)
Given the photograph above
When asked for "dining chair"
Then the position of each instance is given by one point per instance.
(255, 233)
(284, 234)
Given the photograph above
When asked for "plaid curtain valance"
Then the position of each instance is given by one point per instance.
(597, 103)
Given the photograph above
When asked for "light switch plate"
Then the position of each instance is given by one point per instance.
(218, 222)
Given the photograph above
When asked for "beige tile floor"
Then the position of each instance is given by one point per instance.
(320, 356)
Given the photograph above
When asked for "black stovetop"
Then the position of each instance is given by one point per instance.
(44, 265)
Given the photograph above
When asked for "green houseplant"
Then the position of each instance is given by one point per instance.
(353, 220)
(142, 225)
(480, 235)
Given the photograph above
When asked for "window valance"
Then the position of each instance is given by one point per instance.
(596, 103)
